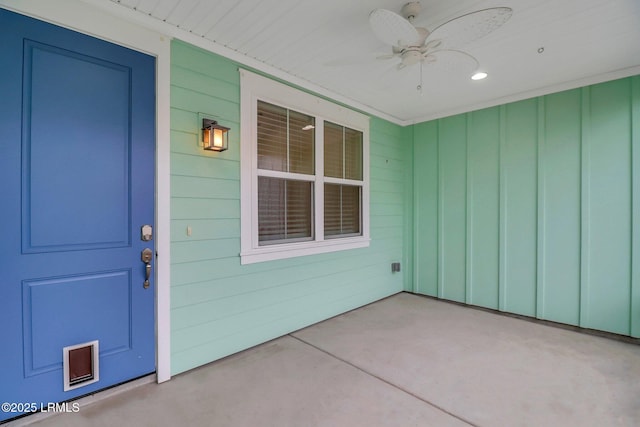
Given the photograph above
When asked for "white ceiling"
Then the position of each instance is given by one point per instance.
(328, 45)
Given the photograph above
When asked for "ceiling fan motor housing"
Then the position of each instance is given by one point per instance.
(411, 56)
(411, 10)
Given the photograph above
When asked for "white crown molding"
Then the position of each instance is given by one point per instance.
(547, 90)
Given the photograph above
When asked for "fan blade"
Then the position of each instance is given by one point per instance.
(429, 59)
(392, 28)
(432, 44)
(472, 26)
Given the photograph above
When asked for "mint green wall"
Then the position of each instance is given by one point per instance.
(219, 307)
(530, 207)
(534, 207)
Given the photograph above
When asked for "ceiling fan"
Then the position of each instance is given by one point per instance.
(413, 45)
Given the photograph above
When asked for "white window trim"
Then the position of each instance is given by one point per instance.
(254, 87)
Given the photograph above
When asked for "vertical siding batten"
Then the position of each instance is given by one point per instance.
(541, 210)
(635, 213)
(468, 298)
(585, 233)
(440, 217)
(504, 257)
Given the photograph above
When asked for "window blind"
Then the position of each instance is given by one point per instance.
(342, 152)
(272, 137)
(286, 143)
(301, 143)
(343, 160)
(352, 154)
(333, 142)
(341, 210)
(284, 210)
(285, 140)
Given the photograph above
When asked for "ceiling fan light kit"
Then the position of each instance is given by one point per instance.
(413, 44)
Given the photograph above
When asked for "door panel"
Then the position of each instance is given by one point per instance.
(52, 305)
(74, 130)
(77, 152)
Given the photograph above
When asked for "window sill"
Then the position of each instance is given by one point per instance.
(291, 250)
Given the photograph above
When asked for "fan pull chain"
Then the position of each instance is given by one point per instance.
(419, 88)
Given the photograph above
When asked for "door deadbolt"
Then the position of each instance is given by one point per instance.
(146, 233)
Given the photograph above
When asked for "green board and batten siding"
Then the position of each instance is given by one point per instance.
(534, 207)
(219, 307)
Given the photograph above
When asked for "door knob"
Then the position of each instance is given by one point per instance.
(147, 256)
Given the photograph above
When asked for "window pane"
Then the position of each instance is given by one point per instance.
(333, 137)
(272, 137)
(350, 209)
(331, 210)
(271, 209)
(301, 143)
(341, 210)
(285, 140)
(284, 210)
(353, 154)
(299, 205)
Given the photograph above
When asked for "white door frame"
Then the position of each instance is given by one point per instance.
(90, 17)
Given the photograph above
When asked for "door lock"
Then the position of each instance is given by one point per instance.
(146, 233)
(147, 256)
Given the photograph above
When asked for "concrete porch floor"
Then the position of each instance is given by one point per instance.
(403, 361)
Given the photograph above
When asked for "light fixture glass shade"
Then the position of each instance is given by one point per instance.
(479, 75)
(214, 136)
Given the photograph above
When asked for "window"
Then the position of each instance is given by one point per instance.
(342, 169)
(304, 173)
(286, 150)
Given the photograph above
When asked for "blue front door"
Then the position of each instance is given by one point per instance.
(77, 174)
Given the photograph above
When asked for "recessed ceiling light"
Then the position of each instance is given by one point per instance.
(479, 75)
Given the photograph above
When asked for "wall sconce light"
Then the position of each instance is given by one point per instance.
(214, 136)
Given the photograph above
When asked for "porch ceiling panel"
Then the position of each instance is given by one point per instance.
(330, 45)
